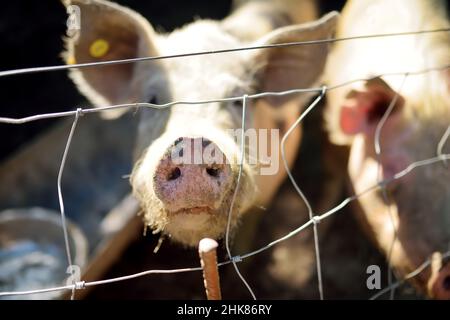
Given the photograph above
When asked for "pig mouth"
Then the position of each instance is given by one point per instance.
(195, 210)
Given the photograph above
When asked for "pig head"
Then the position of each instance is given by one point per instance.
(410, 222)
(186, 156)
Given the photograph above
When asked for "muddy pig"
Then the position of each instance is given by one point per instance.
(410, 222)
(187, 156)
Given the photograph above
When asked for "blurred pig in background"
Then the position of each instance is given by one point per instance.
(411, 222)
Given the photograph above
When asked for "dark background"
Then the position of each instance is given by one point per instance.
(31, 36)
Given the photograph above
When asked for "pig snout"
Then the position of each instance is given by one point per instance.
(192, 177)
(440, 285)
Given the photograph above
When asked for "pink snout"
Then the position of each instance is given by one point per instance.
(440, 288)
(192, 177)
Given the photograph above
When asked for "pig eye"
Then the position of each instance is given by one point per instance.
(237, 103)
(153, 100)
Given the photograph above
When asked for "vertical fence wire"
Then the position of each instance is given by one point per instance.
(60, 195)
(299, 191)
(236, 190)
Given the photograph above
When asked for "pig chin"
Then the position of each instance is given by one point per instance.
(421, 228)
(188, 226)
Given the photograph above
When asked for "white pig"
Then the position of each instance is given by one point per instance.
(184, 200)
(417, 206)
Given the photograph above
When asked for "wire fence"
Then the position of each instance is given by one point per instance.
(314, 219)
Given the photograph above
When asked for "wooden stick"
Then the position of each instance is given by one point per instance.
(208, 259)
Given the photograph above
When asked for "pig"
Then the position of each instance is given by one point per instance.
(187, 157)
(410, 221)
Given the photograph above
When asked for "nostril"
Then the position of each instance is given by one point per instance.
(174, 174)
(446, 283)
(213, 172)
(176, 142)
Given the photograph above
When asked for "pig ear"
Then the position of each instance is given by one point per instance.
(297, 66)
(363, 109)
(108, 32)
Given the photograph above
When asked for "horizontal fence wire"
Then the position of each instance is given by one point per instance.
(313, 219)
(316, 219)
(200, 53)
(83, 111)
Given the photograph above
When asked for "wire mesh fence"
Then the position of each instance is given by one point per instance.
(314, 218)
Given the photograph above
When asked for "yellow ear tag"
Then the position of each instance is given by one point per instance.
(99, 48)
(71, 60)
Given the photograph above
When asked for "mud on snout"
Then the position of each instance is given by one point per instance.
(185, 186)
